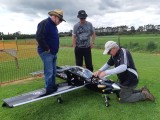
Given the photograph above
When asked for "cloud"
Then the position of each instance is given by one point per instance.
(24, 15)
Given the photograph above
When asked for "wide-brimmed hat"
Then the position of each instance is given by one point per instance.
(108, 46)
(82, 14)
(58, 13)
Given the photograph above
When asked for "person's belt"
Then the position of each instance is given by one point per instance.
(83, 47)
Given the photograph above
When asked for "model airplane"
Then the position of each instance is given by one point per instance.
(75, 78)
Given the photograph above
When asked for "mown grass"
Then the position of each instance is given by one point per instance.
(132, 42)
(84, 104)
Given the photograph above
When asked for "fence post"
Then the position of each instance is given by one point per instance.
(3, 43)
(16, 61)
(16, 43)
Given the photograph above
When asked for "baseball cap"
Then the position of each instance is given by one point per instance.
(108, 46)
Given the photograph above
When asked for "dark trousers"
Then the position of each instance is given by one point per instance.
(85, 53)
(129, 94)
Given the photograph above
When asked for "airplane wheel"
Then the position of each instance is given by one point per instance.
(107, 104)
(109, 98)
(59, 100)
(4, 105)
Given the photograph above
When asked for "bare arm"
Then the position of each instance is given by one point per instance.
(74, 40)
(93, 38)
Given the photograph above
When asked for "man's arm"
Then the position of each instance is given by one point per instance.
(103, 68)
(93, 38)
(74, 36)
(117, 70)
(74, 40)
(40, 35)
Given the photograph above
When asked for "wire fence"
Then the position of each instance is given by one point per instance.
(19, 61)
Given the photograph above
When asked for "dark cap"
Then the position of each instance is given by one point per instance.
(82, 14)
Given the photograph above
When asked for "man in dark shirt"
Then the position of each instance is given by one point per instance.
(48, 44)
(126, 72)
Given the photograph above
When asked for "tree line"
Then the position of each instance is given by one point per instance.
(100, 31)
(124, 29)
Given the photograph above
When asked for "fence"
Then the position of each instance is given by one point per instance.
(19, 59)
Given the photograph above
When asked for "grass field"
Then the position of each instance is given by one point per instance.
(132, 42)
(84, 104)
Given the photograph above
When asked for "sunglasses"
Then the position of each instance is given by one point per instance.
(60, 20)
(82, 18)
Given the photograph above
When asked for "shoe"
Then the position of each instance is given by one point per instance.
(48, 92)
(144, 88)
(148, 95)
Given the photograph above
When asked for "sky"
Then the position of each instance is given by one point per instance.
(24, 15)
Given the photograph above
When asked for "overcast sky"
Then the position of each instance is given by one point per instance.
(24, 15)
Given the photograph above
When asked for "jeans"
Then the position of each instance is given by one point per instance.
(49, 61)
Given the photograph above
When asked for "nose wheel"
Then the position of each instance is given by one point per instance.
(59, 99)
(106, 100)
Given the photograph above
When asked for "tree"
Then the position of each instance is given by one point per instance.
(140, 29)
(133, 29)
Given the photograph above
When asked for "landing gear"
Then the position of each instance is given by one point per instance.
(4, 105)
(59, 99)
(107, 104)
(106, 100)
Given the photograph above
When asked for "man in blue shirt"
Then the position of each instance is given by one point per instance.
(48, 44)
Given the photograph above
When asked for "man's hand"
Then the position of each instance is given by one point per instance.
(92, 45)
(97, 73)
(102, 74)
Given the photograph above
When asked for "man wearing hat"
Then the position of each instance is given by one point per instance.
(48, 45)
(82, 31)
(126, 71)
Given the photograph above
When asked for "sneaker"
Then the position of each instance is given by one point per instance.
(148, 95)
(144, 88)
(49, 92)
